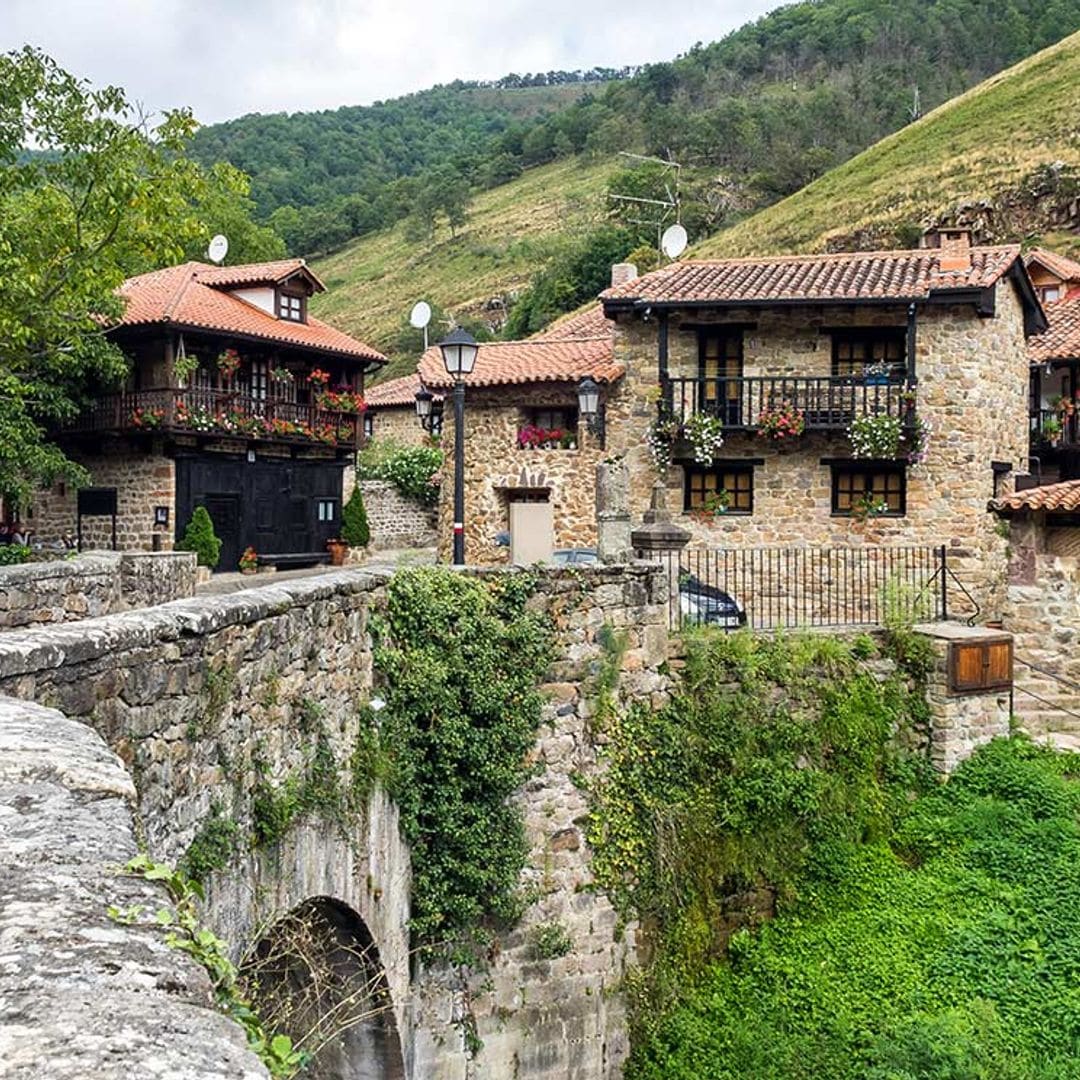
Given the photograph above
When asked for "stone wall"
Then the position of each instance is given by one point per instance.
(397, 423)
(397, 521)
(85, 996)
(66, 590)
(191, 693)
(143, 478)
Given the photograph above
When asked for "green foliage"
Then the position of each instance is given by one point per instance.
(945, 950)
(548, 941)
(215, 843)
(613, 644)
(185, 932)
(199, 536)
(103, 197)
(354, 520)
(13, 554)
(462, 659)
(409, 468)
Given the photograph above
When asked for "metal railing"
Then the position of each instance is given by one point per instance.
(219, 412)
(828, 403)
(793, 588)
(1068, 426)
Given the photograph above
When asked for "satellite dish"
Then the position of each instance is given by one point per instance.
(219, 248)
(673, 242)
(420, 315)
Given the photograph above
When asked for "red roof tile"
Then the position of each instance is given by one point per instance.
(844, 276)
(502, 363)
(258, 274)
(1065, 268)
(1060, 498)
(1062, 340)
(395, 392)
(191, 296)
(586, 323)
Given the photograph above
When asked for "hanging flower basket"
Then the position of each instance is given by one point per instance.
(781, 423)
(228, 363)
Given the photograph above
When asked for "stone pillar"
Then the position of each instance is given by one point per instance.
(613, 512)
(660, 539)
(962, 720)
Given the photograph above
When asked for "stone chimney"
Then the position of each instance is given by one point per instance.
(955, 245)
(622, 273)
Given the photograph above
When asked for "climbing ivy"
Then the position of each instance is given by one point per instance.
(462, 659)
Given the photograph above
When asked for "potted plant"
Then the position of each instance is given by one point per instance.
(876, 374)
(184, 366)
(781, 422)
(705, 433)
(228, 363)
(568, 441)
(249, 561)
(1051, 430)
(338, 550)
(868, 506)
(875, 436)
(714, 506)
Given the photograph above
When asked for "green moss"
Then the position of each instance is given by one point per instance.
(216, 842)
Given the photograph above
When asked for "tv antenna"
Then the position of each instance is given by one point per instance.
(419, 318)
(916, 106)
(673, 242)
(218, 249)
(665, 208)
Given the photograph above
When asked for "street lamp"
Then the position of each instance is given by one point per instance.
(459, 358)
(589, 407)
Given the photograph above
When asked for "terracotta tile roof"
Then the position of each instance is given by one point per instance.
(1065, 268)
(500, 363)
(1054, 498)
(1062, 340)
(586, 323)
(258, 273)
(180, 296)
(845, 276)
(395, 392)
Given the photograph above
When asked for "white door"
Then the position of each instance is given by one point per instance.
(532, 532)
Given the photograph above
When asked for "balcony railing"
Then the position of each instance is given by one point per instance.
(828, 403)
(217, 412)
(1067, 424)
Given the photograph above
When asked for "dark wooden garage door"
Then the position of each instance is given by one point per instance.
(276, 506)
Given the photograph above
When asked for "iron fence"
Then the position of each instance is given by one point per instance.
(790, 588)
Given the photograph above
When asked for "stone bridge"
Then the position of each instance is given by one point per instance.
(165, 722)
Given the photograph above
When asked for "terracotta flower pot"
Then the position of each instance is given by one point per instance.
(338, 550)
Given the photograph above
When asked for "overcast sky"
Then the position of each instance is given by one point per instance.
(225, 58)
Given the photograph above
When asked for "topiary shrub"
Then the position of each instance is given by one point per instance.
(199, 536)
(355, 530)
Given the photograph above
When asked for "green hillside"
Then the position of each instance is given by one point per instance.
(511, 230)
(1012, 143)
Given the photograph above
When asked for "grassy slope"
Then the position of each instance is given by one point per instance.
(374, 282)
(968, 149)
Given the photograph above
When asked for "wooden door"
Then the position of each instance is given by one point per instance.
(720, 371)
(224, 511)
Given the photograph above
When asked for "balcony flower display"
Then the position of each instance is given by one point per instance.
(875, 436)
(705, 433)
(228, 363)
(195, 417)
(282, 376)
(781, 422)
(661, 440)
(147, 419)
(343, 399)
(915, 441)
(318, 377)
(532, 437)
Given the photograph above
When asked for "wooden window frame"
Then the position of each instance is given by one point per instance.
(533, 413)
(984, 681)
(285, 298)
(729, 407)
(721, 469)
(867, 335)
(868, 469)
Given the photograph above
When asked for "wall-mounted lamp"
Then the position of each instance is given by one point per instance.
(161, 516)
(591, 407)
(1048, 368)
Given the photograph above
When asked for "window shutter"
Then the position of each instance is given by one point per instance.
(980, 666)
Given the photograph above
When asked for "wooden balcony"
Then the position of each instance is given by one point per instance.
(1068, 430)
(217, 413)
(828, 403)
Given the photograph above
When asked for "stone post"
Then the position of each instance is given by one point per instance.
(660, 539)
(613, 512)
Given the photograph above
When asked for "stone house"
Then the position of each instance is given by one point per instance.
(1055, 360)
(391, 412)
(237, 400)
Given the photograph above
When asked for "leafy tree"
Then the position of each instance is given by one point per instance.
(355, 530)
(103, 195)
(199, 536)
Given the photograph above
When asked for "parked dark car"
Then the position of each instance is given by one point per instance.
(706, 605)
(575, 557)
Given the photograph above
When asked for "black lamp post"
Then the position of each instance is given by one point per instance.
(459, 357)
(589, 407)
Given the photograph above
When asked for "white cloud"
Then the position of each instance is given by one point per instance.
(229, 57)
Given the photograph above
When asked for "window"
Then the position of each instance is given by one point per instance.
(1049, 293)
(369, 425)
(704, 485)
(855, 486)
(853, 351)
(327, 510)
(720, 368)
(290, 307)
(260, 376)
(548, 419)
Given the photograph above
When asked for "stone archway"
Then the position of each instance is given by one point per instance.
(316, 975)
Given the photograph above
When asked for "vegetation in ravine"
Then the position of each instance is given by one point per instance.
(814, 903)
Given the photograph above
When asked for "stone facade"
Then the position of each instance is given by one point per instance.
(396, 521)
(144, 480)
(66, 590)
(396, 423)
(84, 995)
(961, 723)
(187, 693)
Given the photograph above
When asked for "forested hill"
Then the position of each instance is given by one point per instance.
(764, 111)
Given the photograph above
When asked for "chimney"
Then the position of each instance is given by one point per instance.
(621, 273)
(955, 245)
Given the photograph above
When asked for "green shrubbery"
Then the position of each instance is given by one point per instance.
(923, 931)
(199, 536)
(13, 554)
(354, 522)
(409, 468)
